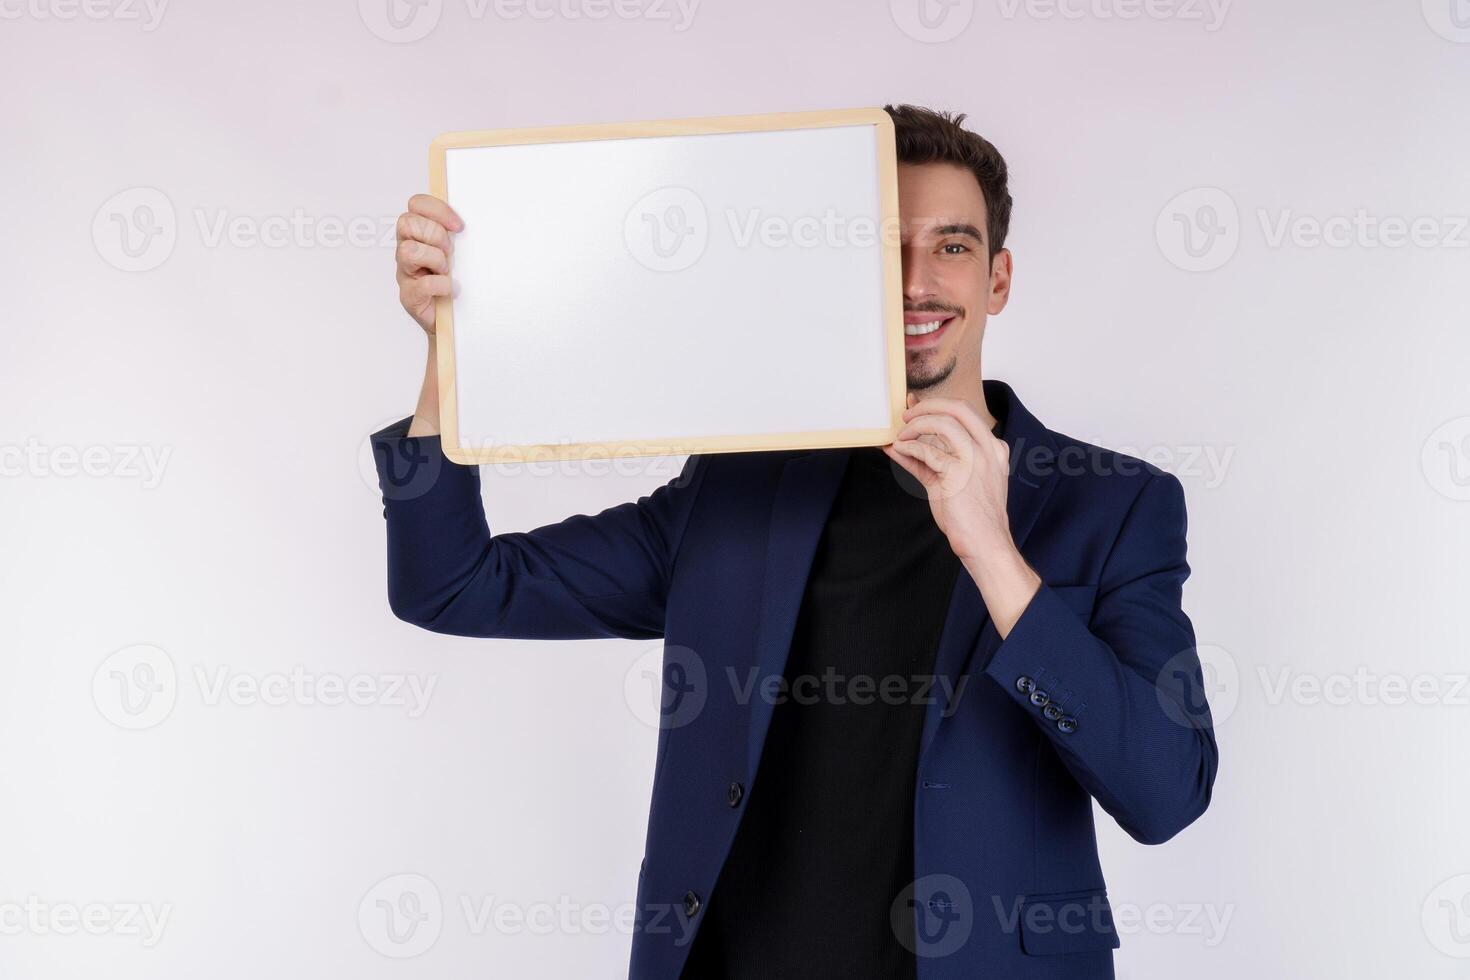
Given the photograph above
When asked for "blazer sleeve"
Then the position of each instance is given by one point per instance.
(1122, 697)
(587, 577)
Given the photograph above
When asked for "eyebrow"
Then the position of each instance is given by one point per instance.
(961, 229)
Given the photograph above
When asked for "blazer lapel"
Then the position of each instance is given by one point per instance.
(804, 495)
(1033, 453)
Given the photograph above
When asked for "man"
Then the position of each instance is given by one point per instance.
(895, 677)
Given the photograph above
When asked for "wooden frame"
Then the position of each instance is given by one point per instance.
(892, 288)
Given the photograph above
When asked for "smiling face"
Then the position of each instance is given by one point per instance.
(950, 284)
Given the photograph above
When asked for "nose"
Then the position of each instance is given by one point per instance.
(918, 284)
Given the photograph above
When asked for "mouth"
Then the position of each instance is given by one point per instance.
(924, 329)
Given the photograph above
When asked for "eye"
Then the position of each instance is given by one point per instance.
(954, 245)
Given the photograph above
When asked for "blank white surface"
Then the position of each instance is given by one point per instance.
(563, 334)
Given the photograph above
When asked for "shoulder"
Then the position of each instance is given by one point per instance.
(1105, 478)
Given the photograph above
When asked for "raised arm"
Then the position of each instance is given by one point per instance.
(604, 575)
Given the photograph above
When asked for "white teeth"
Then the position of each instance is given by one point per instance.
(919, 329)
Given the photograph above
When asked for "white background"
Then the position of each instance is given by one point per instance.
(1328, 535)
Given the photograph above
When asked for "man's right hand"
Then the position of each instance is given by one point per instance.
(422, 269)
(422, 256)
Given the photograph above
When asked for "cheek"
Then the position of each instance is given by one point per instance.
(968, 287)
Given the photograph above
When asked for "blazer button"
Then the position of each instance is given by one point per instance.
(1067, 725)
(691, 904)
(1040, 698)
(736, 793)
(1052, 712)
(1025, 684)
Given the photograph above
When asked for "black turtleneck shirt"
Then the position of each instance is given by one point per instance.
(826, 843)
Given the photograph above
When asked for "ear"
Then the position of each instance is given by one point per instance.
(1000, 282)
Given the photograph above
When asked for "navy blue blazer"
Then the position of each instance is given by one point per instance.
(1096, 693)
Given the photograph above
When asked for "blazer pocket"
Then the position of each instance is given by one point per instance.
(1078, 598)
(1072, 923)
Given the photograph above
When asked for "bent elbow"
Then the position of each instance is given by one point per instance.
(412, 607)
(1162, 823)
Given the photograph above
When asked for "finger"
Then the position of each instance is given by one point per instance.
(413, 257)
(915, 468)
(416, 227)
(426, 287)
(962, 411)
(930, 455)
(950, 475)
(943, 426)
(437, 210)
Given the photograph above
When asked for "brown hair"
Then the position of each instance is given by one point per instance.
(926, 136)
